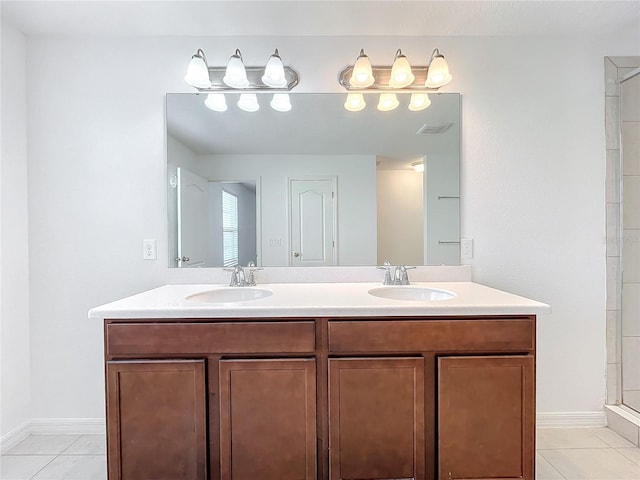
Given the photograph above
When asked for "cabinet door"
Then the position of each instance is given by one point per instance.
(268, 419)
(156, 420)
(486, 417)
(376, 418)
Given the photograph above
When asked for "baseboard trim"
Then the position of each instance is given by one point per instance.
(571, 419)
(51, 426)
(83, 426)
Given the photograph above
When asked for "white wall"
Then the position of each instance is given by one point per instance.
(533, 174)
(15, 378)
(400, 215)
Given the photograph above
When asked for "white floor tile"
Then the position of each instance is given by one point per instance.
(87, 445)
(43, 445)
(545, 471)
(611, 438)
(22, 467)
(555, 438)
(592, 464)
(75, 467)
(632, 454)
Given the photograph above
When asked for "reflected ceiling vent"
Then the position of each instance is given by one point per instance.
(433, 129)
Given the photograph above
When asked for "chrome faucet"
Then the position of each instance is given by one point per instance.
(251, 281)
(400, 274)
(237, 276)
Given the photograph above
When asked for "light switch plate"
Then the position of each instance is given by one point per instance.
(466, 248)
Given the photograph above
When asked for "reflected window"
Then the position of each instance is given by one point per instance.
(230, 229)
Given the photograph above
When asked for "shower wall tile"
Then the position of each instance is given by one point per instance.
(631, 256)
(612, 122)
(630, 100)
(613, 337)
(630, 310)
(614, 284)
(613, 227)
(630, 148)
(631, 363)
(631, 201)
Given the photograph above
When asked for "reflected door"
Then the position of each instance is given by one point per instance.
(193, 219)
(312, 206)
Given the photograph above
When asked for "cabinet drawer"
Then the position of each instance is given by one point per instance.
(203, 338)
(432, 335)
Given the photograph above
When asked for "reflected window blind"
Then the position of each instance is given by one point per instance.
(229, 229)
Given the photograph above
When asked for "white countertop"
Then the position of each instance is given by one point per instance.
(318, 300)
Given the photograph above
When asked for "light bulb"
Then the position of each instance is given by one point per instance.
(281, 102)
(235, 74)
(401, 75)
(387, 102)
(362, 75)
(355, 102)
(198, 71)
(418, 166)
(248, 102)
(419, 101)
(216, 102)
(438, 74)
(274, 72)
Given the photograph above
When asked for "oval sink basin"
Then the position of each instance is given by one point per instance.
(230, 295)
(415, 294)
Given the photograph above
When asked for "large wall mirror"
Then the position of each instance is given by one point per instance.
(315, 186)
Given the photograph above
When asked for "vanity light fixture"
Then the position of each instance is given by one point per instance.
(438, 73)
(198, 71)
(362, 76)
(236, 76)
(401, 75)
(355, 102)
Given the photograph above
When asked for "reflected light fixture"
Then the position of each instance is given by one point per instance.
(418, 166)
(235, 74)
(438, 74)
(419, 101)
(274, 72)
(355, 102)
(198, 71)
(388, 102)
(401, 75)
(216, 102)
(248, 102)
(281, 102)
(362, 75)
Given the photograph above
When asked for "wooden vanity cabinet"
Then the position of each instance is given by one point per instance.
(328, 398)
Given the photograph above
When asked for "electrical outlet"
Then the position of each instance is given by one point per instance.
(466, 248)
(149, 250)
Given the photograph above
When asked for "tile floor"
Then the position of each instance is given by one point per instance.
(563, 454)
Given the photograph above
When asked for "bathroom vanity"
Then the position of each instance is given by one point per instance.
(320, 381)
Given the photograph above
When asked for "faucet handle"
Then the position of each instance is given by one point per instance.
(404, 275)
(386, 266)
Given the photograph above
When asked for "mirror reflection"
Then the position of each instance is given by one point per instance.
(315, 186)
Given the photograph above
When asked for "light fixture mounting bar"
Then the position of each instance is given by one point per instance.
(382, 76)
(254, 75)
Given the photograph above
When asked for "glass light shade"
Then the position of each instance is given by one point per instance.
(248, 102)
(235, 75)
(281, 102)
(419, 101)
(355, 102)
(274, 72)
(438, 74)
(388, 102)
(418, 166)
(401, 75)
(198, 72)
(216, 102)
(362, 75)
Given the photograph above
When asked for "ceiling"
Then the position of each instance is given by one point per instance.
(321, 17)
